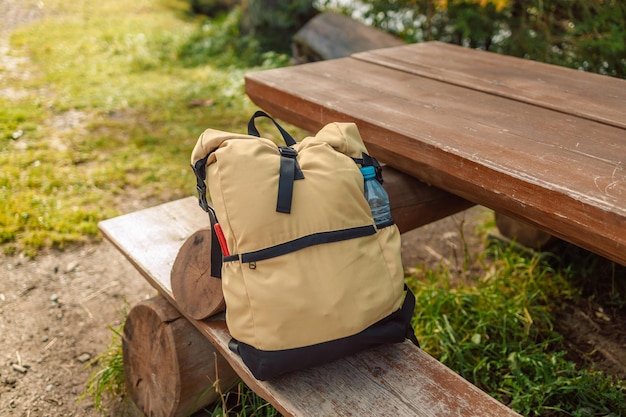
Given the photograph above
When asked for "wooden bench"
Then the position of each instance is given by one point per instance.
(392, 380)
(539, 143)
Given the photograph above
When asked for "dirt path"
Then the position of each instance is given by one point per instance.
(54, 315)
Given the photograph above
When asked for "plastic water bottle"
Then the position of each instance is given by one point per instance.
(377, 198)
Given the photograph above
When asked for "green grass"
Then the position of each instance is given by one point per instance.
(105, 119)
(104, 123)
(498, 332)
(107, 381)
(242, 402)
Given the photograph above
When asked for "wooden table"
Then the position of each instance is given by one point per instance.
(540, 143)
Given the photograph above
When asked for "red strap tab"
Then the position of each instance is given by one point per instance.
(220, 237)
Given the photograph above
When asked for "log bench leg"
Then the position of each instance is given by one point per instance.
(523, 233)
(169, 367)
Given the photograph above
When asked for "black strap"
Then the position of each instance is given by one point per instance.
(408, 307)
(289, 172)
(306, 241)
(252, 130)
(199, 169)
(216, 251)
(367, 161)
(289, 167)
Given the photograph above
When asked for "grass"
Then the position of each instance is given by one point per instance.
(107, 116)
(106, 120)
(107, 381)
(243, 402)
(499, 333)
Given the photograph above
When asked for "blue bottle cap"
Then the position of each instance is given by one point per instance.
(368, 172)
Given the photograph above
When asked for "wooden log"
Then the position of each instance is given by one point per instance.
(197, 293)
(332, 35)
(170, 368)
(523, 233)
(415, 203)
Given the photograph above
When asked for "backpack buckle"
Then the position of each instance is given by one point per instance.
(202, 200)
(289, 172)
(287, 152)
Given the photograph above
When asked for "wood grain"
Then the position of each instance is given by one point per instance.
(393, 380)
(197, 293)
(583, 94)
(559, 172)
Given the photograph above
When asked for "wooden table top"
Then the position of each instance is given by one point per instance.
(541, 143)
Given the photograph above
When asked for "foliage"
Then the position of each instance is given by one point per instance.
(574, 33)
(219, 41)
(211, 8)
(273, 23)
(498, 333)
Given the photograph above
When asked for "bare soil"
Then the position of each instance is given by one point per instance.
(55, 310)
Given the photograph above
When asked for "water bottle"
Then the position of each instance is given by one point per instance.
(377, 198)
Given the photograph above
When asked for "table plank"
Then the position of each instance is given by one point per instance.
(561, 173)
(392, 380)
(592, 96)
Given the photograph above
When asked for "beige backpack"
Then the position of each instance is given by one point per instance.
(306, 276)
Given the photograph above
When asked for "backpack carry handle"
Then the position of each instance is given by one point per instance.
(253, 131)
(289, 167)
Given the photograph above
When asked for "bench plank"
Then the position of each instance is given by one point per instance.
(579, 93)
(393, 380)
(558, 172)
(151, 238)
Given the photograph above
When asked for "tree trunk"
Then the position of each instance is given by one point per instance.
(332, 35)
(170, 368)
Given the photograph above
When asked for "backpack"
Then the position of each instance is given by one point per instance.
(306, 276)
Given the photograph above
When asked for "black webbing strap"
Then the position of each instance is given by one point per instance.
(199, 169)
(289, 172)
(252, 130)
(216, 251)
(370, 161)
(289, 167)
(408, 307)
(307, 241)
